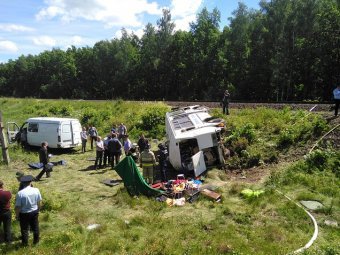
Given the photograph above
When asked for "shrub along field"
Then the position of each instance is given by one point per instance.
(269, 151)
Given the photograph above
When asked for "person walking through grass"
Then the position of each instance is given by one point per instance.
(27, 206)
(5, 212)
(44, 159)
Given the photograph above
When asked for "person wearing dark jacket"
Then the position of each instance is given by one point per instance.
(5, 212)
(115, 150)
(163, 158)
(44, 159)
(225, 102)
(142, 142)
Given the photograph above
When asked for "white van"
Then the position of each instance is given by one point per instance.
(194, 139)
(58, 132)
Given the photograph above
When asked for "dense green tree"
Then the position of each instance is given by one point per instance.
(285, 50)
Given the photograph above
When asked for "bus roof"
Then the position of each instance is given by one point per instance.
(192, 121)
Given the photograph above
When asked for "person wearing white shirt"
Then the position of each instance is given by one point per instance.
(336, 94)
(99, 152)
(127, 144)
(27, 205)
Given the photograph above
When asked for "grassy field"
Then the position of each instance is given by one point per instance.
(269, 152)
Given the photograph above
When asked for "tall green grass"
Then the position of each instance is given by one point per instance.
(74, 197)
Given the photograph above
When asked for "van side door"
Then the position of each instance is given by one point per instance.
(66, 133)
(12, 130)
(75, 129)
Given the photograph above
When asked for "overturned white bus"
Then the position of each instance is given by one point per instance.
(194, 139)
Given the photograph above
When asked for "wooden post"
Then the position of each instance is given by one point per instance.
(3, 141)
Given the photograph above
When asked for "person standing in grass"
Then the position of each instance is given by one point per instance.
(225, 102)
(93, 135)
(115, 149)
(336, 94)
(107, 158)
(142, 143)
(83, 135)
(99, 152)
(122, 131)
(147, 162)
(127, 145)
(27, 206)
(5, 212)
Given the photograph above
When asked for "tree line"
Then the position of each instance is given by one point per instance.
(287, 50)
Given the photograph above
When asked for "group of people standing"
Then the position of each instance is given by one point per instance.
(27, 206)
(109, 150)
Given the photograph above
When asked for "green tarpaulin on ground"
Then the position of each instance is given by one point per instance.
(133, 180)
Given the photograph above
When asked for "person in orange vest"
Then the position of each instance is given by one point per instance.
(147, 162)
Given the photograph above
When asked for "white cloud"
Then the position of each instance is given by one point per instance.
(44, 41)
(184, 12)
(184, 8)
(76, 40)
(112, 13)
(8, 46)
(14, 27)
(184, 23)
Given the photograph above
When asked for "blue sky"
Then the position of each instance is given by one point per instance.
(32, 26)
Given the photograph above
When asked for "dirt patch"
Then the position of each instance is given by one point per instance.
(251, 175)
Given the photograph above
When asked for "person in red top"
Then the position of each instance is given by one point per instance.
(5, 212)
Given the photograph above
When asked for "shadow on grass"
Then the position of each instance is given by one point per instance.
(89, 168)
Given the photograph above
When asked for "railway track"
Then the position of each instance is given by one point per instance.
(324, 107)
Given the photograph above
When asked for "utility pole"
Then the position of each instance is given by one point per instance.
(3, 142)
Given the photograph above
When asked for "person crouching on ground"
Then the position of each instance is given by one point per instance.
(99, 152)
(5, 212)
(44, 159)
(27, 206)
(147, 162)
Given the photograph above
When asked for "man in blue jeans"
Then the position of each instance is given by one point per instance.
(5, 212)
(27, 205)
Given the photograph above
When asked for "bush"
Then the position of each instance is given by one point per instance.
(286, 139)
(317, 159)
(153, 122)
(153, 118)
(319, 126)
(64, 110)
(239, 145)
